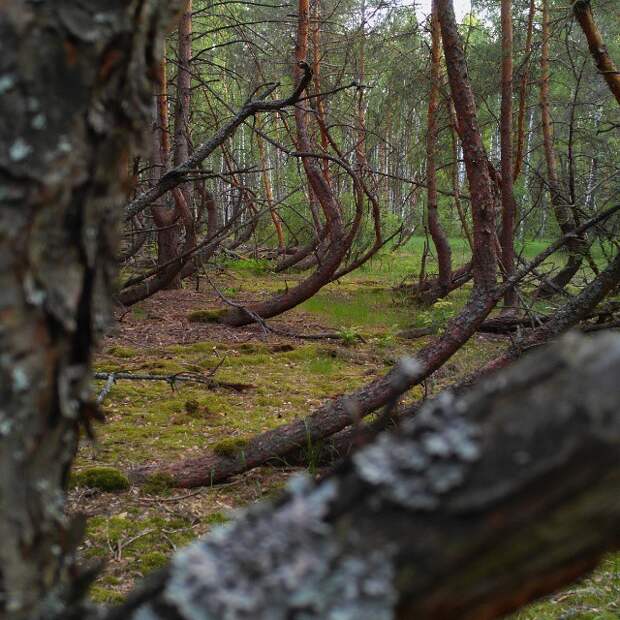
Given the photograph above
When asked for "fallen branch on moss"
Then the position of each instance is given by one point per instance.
(181, 377)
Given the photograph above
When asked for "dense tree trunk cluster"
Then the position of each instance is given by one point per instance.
(439, 517)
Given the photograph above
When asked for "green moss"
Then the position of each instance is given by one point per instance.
(124, 352)
(217, 518)
(206, 316)
(102, 478)
(101, 594)
(191, 406)
(230, 447)
(252, 347)
(158, 484)
(107, 367)
(152, 561)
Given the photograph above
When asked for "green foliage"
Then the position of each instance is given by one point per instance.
(101, 478)
(349, 336)
(217, 518)
(437, 315)
(151, 561)
(255, 266)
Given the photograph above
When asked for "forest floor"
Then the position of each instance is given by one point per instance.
(135, 530)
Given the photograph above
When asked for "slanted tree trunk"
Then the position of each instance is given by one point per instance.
(561, 207)
(86, 69)
(470, 510)
(598, 49)
(337, 243)
(480, 187)
(438, 235)
(509, 207)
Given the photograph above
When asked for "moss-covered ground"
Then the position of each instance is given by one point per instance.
(134, 531)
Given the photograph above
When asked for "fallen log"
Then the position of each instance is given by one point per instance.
(211, 468)
(472, 509)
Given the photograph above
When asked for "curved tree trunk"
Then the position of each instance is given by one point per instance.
(561, 208)
(598, 49)
(171, 270)
(166, 218)
(337, 243)
(480, 189)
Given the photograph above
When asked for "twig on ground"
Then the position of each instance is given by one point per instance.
(172, 380)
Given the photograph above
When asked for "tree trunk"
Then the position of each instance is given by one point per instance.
(480, 188)
(63, 182)
(275, 216)
(337, 242)
(561, 208)
(440, 240)
(165, 216)
(598, 49)
(523, 90)
(509, 207)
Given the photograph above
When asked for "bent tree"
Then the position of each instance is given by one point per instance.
(77, 81)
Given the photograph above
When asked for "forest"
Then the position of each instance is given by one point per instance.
(309, 309)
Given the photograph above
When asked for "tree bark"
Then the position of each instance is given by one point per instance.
(440, 240)
(81, 71)
(480, 188)
(509, 207)
(598, 49)
(470, 510)
(561, 208)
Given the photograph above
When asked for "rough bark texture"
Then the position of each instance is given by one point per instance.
(440, 240)
(480, 188)
(77, 91)
(471, 509)
(598, 49)
(561, 206)
(509, 207)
